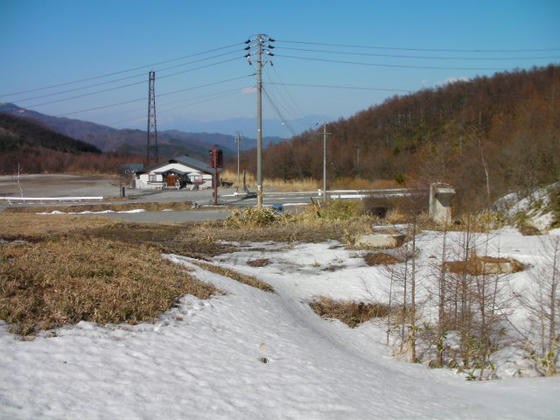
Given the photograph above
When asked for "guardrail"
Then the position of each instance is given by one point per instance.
(341, 194)
(49, 198)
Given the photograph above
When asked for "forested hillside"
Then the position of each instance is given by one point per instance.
(29, 147)
(486, 136)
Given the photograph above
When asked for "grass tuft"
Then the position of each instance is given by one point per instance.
(351, 313)
(380, 258)
(263, 262)
(484, 265)
(242, 278)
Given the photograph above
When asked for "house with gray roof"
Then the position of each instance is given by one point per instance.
(178, 172)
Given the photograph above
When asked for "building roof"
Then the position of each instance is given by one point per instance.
(185, 160)
(193, 163)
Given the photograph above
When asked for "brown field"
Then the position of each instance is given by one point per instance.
(60, 269)
(76, 208)
(63, 281)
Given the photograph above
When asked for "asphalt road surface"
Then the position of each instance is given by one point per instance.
(58, 185)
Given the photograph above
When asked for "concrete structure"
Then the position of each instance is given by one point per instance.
(179, 172)
(440, 202)
(380, 240)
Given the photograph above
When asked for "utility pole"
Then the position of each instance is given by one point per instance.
(259, 122)
(151, 132)
(325, 162)
(261, 49)
(238, 141)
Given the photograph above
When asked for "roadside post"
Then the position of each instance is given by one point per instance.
(216, 161)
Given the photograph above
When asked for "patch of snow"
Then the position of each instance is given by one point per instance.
(533, 205)
(205, 359)
(92, 212)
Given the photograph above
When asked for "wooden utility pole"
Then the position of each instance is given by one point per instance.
(238, 141)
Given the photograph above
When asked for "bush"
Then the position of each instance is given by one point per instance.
(341, 209)
(252, 217)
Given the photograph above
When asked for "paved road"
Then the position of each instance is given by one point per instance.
(109, 188)
(60, 185)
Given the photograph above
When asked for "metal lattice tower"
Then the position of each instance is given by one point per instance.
(152, 122)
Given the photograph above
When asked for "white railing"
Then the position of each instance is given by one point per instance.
(49, 198)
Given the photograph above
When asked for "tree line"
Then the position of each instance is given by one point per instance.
(486, 136)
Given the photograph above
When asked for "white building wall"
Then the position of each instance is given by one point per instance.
(142, 181)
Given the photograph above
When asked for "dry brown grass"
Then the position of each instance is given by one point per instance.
(189, 239)
(276, 184)
(242, 278)
(155, 206)
(362, 184)
(34, 227)
(310, 184)
(484, 265)
(351, 313)
(263, 262)
(380, 258)
(57, 282)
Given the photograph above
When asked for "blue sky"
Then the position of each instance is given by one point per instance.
(44, 43)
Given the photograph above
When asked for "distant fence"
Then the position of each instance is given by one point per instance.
(49, 198)
(353, 194)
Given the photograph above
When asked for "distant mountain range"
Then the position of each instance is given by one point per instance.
(17, 134)
(107, 139)
(271, 127)
(27, 146)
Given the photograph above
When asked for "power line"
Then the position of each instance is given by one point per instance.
(421, 49)
(278, 112)
(296, 105)
(121, 71)
(419, 56)
(87, 94)
(495, 95)
(281, 95)
(130, 77)
(160, 95)
(130, 84)
(401, 66)
(344, 87)
(197, 99)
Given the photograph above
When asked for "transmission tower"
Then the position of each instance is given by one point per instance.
(151, 132)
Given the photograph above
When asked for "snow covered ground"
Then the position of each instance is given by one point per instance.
(250, 354)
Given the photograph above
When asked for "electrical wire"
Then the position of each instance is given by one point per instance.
(296, 105)
(279, 93)
(121, 71)
(160, 95)
(127, 78)
(345, 87)
(326, 44)
(292, 131)
(400, 66)
(419, 57)
(131, 84)
(163, 108)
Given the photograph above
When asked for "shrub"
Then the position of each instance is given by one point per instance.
(341, 209)
(253, 217)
